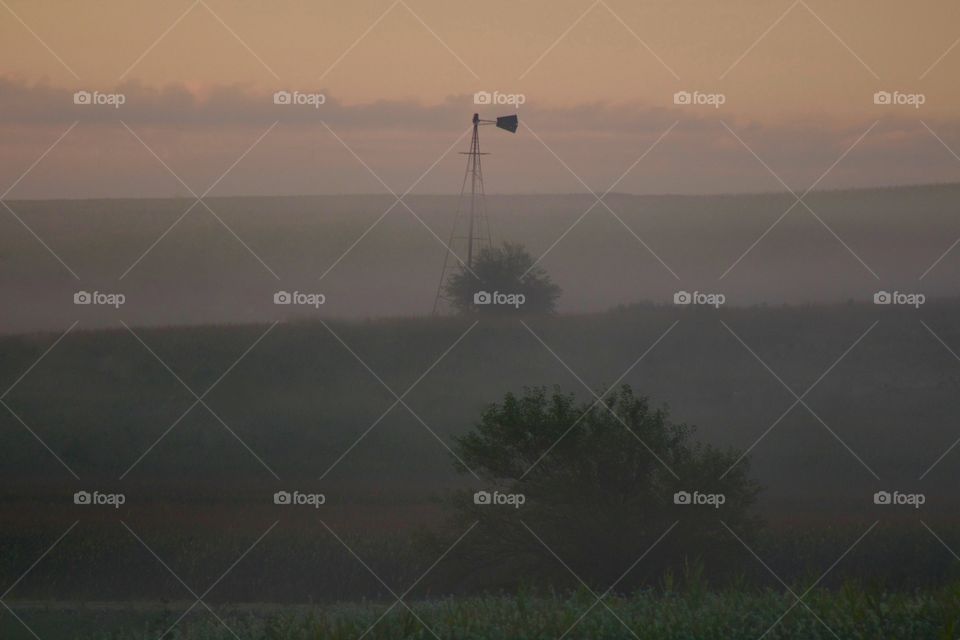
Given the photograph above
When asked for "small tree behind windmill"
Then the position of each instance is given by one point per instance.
(503, 280)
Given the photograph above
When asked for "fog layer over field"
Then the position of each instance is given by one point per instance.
(225, 262)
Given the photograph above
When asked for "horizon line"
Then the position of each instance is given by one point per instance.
(708, 194)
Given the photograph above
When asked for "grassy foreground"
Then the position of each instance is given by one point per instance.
(850, 613)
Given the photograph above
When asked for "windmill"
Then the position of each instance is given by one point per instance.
(471, 228)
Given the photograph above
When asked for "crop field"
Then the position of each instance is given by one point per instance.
(850, 612)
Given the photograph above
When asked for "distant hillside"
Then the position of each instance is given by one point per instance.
(200, 273)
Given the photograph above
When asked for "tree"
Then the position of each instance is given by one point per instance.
(599, 483)
(498, 279)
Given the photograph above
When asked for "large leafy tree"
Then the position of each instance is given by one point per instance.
(599, 480)
(508, 269)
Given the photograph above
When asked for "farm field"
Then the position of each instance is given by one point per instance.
(666, 615)
(200, 499)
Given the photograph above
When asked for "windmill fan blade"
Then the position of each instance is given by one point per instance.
(510, 123)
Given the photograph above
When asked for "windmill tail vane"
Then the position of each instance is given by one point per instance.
(471, 228)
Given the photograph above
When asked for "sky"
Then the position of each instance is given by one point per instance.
(783, 96)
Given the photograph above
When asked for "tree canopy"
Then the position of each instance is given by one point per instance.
(599, 482)
(502, 280)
